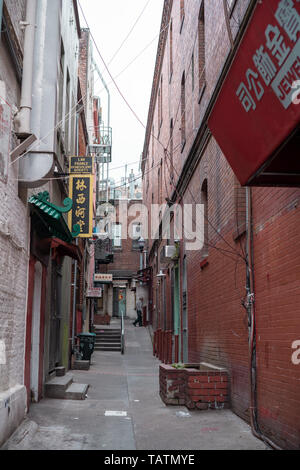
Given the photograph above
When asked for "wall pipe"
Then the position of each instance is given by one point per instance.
(1, 10)
(23, 118)
(251, 309)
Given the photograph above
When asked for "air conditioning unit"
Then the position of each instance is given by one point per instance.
(136, 231)
(169, 253)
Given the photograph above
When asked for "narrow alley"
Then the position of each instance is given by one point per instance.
(149, 188)
(123, 411)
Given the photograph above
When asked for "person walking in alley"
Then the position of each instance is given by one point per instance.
(139, 309)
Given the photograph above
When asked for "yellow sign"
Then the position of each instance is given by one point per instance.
(81, 193)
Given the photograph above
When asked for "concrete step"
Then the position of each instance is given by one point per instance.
(100, 335)
(108, 348)
(107, 340)
(56, 387)
(76, 391)
(60, 371)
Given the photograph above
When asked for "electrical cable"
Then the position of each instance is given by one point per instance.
(129, 33)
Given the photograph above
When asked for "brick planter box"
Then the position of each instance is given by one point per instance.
(102, 319)
(197, 386)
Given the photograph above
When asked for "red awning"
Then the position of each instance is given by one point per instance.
(61, 249)
(257, 111)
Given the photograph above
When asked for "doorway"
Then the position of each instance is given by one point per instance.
(35, 333)
(55, 319)
(119, 302)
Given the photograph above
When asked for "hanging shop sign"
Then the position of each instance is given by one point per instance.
(81, 193)
(5, 133)
(103, 278)
(94, 292)
(81, 165)
(257, 111)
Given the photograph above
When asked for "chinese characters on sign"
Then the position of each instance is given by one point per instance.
(5, 132)
(81, 192)
(94, 292)
(103, 278)
(276, 63)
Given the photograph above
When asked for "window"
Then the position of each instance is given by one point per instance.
(117, 235)
(152, 145)
(181, 14)
(240, 209)
(171, 152)
(159, 110)
(204, 201)
(61, 84)
(201, 52)
(171, 49)
(193, 71)
(183, 135)
(136, 234)
(67, 114)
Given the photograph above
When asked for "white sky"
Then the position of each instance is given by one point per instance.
(110, 22)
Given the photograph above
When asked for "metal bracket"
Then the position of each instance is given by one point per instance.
(23, 146)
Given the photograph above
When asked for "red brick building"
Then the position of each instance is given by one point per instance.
(202, 302)
(124, 289)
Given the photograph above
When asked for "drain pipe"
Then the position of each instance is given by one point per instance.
(250, 288)
(23, 118)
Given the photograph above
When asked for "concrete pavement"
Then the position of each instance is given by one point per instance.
(123, 411)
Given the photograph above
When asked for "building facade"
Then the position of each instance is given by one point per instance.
(14, 241)
(40, 131)
(221, 292)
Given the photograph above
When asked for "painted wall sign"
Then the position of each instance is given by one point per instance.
(103, 278)
(5, 134)
(81, 165)
(257, 109)
(81, 192)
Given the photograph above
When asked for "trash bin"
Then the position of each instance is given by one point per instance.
(86, 345)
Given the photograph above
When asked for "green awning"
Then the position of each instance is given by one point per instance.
(48, 219)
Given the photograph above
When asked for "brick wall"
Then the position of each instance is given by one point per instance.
(216, 277)
(14, 245)
(14, 232)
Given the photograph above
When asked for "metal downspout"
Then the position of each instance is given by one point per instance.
(75, 263)
(23, 119)
(1, 9)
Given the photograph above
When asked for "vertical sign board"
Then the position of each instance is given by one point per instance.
(5, 133)
(81, 192)
(258, 105)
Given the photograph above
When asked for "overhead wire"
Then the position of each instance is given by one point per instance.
(72, 112)
(129, 33)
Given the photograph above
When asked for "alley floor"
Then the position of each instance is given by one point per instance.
(123, 411)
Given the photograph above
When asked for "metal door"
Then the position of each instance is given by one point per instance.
(55, 318)
(119, 302)
(122, 303)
